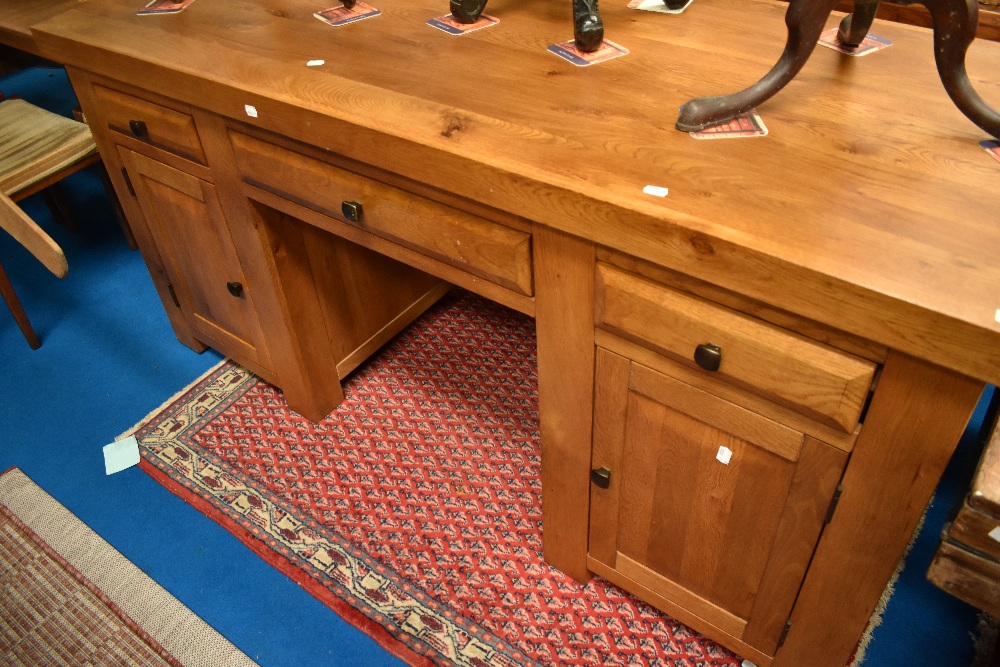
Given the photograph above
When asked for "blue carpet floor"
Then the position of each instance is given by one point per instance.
(109, 357)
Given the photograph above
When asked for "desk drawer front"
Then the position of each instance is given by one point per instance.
(490, 250)
(164, 128)
(826, 384)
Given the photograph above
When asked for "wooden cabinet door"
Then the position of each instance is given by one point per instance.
(714, 509)
(186, 220)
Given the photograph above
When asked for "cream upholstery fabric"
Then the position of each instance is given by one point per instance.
(35, 143)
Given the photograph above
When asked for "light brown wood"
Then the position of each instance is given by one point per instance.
(36, 240)
(611, 388)
(165, 128)
(385, 247)
(680, 613)
(858, 222)
(16, 19)
(824, 383)
(244, 236)
(716, 615)
(564, 316)
(819, 470)
(83, 86)
(727, 538)
(915, 420)
(835, 338)
(713, 411)
(303, 341)
(494, 252)
(705, 382)
(968, 576)
(187, 221)
(742, 214)
(338, 301)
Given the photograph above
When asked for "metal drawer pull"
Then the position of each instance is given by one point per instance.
(138, 127)
(601, 477)
(352, 210)
(235, 288)
(708, 356)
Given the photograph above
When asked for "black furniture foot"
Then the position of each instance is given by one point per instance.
(955, 23)
(467, 11)
(588, 28)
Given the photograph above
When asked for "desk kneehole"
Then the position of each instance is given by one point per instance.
(492, 251)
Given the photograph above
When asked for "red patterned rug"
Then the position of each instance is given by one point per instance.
(414, 509)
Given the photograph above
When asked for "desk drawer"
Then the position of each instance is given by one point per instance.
(819, 381)
(492, 251)
(151, 123)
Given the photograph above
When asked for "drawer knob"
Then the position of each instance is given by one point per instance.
(601, 477)
(138, 127)
(708, 356)
(352, 210)
(234, 288)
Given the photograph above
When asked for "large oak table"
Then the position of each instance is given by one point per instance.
(857, 241)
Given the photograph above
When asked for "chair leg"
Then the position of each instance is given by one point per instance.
(56, 201)
(7, 291)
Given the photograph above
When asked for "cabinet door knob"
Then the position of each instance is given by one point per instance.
(708, 356)
(138, 127)
(352, 210)
(235, 288)
(601, 477)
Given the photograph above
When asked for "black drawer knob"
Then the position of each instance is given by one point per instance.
(601, 477)
(235, 288)
(352, 210)
(708, 356)
(138, 127)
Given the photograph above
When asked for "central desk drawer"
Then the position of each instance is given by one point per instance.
(487, 249)
(824, 383)
(171, 130)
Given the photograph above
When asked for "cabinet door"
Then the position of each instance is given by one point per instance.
(713, 509)
(190, 231)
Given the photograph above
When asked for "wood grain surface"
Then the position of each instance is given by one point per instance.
(869, 206)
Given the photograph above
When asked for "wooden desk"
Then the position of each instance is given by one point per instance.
(857, 241)
(16, 19)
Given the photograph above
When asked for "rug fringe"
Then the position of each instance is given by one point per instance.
(890, 588)
(170, 401)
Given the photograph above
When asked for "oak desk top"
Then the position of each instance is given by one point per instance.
(870, 205)
(17, 17)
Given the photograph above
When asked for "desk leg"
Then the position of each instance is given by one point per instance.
(915, 421)
(564, 316)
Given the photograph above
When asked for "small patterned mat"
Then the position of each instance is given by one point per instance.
(70, 599)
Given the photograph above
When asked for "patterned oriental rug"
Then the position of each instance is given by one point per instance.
(69, 598)
(413, 509)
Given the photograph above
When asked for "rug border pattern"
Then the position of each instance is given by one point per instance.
(377, 592)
